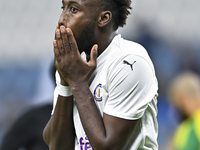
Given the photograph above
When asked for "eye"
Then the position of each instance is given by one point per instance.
(73, 9)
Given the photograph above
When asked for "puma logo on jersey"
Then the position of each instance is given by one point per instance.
(131, 65)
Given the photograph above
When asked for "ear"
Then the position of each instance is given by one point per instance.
(104, 18)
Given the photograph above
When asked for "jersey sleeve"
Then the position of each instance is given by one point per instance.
(132, 85)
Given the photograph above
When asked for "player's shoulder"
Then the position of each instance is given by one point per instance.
(126, 48)
(129, 53)
(134, 48)
(123, 47)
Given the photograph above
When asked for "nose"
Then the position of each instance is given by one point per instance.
(61, 21)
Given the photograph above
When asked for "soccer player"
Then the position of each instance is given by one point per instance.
(106, 92)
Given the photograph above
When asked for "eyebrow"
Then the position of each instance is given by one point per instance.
(71, 2)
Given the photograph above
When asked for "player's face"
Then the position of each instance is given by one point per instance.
(80, 16)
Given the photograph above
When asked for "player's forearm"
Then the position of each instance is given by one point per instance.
(60, 131)
(90, 117)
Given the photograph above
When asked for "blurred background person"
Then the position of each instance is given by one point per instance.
(26, 131)
(184, 93)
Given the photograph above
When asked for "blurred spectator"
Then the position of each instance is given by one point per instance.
(26, 132)
(184, 93)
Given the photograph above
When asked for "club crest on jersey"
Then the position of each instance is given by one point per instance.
(97, 93)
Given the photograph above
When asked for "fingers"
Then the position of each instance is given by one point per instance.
(64, 43)
(72, 41)
(60, 42)
(56, 51)
(65, 40)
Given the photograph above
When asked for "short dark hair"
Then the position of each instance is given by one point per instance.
(120, 10)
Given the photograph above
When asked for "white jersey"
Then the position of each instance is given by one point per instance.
(124, 85)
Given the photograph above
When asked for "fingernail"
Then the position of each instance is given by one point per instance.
(62, 28)
(58, 34)
(54, 43)
(96, 47)
(68, 30)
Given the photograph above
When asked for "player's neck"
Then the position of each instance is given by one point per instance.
(104, 41)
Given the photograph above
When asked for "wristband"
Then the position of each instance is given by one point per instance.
(63, 90)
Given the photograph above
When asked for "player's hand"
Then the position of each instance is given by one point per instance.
(71, 66)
